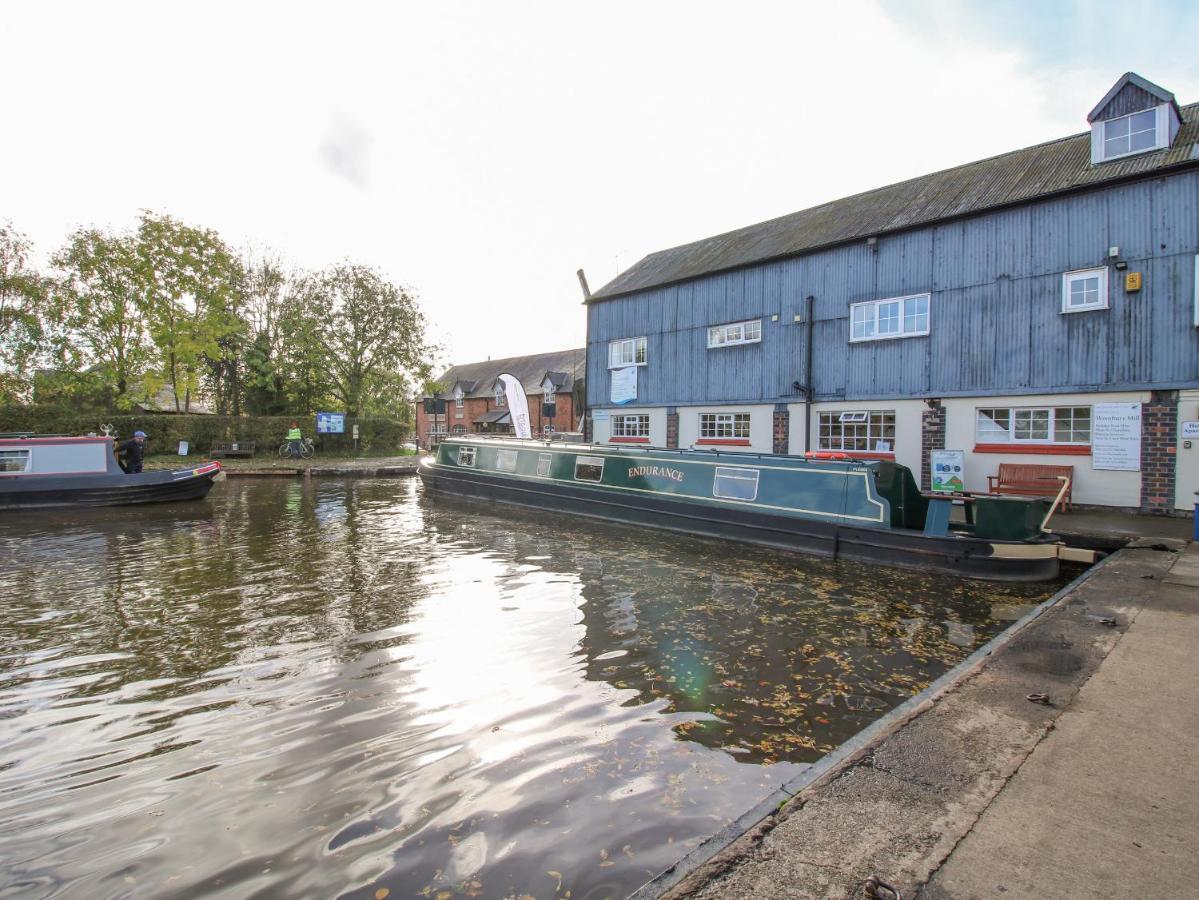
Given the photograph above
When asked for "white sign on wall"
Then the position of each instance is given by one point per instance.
(949, 471)
(600, 415)
(624, 384)
(1190, 430)
(1116, 436)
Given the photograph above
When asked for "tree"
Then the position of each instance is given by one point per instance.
(97, 310)
(194, 291)
(364, 336)
(22, 335)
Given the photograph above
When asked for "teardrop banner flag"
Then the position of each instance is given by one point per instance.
(518, 405)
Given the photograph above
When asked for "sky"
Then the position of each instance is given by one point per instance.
(479, 153)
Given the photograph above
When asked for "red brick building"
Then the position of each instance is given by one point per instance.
(473, 401)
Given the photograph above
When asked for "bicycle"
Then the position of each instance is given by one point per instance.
(305, 449)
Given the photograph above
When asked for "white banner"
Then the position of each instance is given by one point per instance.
(624, 384)
(1116, 436)
(518, 405)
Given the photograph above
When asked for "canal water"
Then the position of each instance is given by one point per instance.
(349, 689)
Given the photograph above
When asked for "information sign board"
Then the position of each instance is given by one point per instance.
(949, 471)
(1116, 436)
(330, 423)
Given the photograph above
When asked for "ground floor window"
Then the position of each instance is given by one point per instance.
(459, 429)
(630, 426)
(858, 431)
(14, 460)
(1034, 425)
(724, 425)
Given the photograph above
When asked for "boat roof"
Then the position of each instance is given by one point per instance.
(731, 456)
(19, 438)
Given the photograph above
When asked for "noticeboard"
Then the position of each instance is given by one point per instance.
(330, 423)
(949, 471)
(1116, 436)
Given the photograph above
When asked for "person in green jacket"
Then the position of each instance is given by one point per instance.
(293, 441)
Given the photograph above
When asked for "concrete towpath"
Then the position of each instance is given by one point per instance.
(978, 792)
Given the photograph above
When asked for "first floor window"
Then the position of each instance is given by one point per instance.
(1130, 134)
(724, 425)
(896, 317)
(735, 333)
(627, 352)
(1084, 289)
(466, 456)
(1034, 425)
(500, 399)
(458, 401)
(858, 431)
(630, 426)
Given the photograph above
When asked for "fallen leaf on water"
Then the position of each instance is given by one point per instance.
(381, 893)
(557, 875)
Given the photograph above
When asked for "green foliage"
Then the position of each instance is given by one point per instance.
(22, 336)
(376, 435)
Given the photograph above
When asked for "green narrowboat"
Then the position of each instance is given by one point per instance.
(870, 511)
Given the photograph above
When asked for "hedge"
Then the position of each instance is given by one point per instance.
(165, 431)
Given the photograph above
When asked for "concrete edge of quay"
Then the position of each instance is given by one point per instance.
(896, 798)
(385, 469)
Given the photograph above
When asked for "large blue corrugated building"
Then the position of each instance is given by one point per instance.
(1037, 307)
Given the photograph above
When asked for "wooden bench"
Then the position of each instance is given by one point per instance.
(1032, 480)
(224, 449)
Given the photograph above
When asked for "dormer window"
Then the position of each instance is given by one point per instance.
(500, 400)
(458, 397)
(1130, 134)
(1136, 116)
(547, 391)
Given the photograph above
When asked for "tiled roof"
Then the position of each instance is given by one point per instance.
(529, 370)
(1021, 176)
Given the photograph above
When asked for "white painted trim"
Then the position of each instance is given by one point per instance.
(1068, 277)
(1161, 137)
(727, 343)
(612, 365)
(902, 301)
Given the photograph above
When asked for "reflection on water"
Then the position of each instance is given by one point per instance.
(342, 689)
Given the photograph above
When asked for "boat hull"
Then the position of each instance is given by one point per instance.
(40, 492)
(953, 555)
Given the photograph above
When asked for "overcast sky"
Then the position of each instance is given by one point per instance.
(480, 153)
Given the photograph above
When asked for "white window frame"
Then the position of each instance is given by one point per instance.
(735, 333)
(548, 394)
(458, 401)
(16, 453)
(873, 421)
(1161, 137)
(501, 398)
(721, 422)
(1051, 427)
(871, 309)
(545, 465)
(733, 474)
(466, 457)
(589, 461)
(620, 425)
(1068, 278)
(624, 352)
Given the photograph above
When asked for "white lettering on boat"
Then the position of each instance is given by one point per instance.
(659, 471)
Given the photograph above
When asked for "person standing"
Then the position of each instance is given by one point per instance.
(133, 451)
(293, 441)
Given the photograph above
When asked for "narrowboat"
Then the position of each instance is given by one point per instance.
(47, 471)
(865, 510)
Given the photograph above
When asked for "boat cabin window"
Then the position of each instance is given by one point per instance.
(589, 468)
(14, 460)
(544, 460)
(505, 460)
(466, 456)
(735, 484)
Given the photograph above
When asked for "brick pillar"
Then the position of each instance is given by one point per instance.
(588, 429)
(782, 428)
(932, 437)
(672, 428)
(1159, 452)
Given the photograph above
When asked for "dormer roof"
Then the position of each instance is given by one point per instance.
(1130, 94)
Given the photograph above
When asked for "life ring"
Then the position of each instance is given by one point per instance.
(825, 454)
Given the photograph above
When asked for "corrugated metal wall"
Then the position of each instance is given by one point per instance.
(1130, 99)
(996, 325)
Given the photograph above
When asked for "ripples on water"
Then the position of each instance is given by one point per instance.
(346, 689)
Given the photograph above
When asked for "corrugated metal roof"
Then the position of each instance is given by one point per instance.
(1021, 176)
(529, 370)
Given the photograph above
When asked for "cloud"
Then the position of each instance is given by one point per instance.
(345, 151)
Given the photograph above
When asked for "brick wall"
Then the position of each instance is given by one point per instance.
(672, 428)
(932, 437)
(1159, 451)
(782, 429)
(475, 408)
